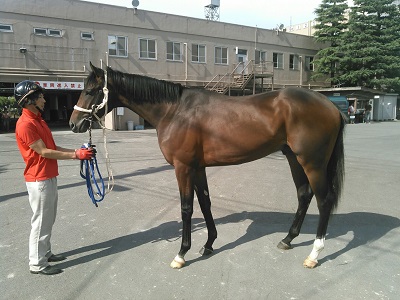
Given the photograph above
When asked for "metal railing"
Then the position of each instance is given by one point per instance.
(239, 79)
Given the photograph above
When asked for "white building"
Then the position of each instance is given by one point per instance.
(53, 41)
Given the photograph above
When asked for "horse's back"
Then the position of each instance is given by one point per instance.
(225, 130)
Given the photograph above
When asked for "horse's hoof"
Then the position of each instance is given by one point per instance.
(309, 263)
(205, 251)
(284, 246)
(178, 262)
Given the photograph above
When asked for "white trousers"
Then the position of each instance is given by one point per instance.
(43, 198)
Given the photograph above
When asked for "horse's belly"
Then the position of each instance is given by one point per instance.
(237, 154)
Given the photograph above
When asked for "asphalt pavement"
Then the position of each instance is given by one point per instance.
(123, 248)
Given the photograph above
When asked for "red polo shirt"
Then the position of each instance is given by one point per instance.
(29, 129)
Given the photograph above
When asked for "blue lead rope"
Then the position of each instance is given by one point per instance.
(91, 173)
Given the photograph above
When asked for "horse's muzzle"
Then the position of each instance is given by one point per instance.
(81, 126)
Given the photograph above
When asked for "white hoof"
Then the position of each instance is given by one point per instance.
(178, 262)
(310, 263)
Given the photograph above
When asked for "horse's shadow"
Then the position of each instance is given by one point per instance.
(263, 223)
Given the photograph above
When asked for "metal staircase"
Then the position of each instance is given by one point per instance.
(240, 80)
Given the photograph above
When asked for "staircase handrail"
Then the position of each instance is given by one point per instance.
(252, 68)
(206, 86)
(263, 67)
(217, 84)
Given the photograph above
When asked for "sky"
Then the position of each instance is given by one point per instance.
(267, 14)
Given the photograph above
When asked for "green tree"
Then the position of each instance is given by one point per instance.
(372, 46)
(330, 28)
(8, 104)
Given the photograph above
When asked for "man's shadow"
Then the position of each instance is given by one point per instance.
(263, 223)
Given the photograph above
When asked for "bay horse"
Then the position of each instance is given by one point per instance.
(197, 128)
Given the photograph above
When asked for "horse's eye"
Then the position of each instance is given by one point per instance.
(90, 92)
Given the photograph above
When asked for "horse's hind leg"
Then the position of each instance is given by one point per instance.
(304, 195)
(325, 200)
(203, 195)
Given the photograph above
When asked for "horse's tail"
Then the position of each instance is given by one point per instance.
(336, 165)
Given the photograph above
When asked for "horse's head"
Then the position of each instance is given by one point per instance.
(88, 103)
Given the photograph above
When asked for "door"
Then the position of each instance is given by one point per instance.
(241, 58)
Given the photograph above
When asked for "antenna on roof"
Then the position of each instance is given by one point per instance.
(279, 27)
(135, 4)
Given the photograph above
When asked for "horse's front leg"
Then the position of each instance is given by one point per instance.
(203, 195)
(185, 176)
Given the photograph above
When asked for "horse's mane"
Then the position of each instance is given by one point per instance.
(143, 89)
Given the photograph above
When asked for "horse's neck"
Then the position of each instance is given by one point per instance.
(150, 95)
(152, 113)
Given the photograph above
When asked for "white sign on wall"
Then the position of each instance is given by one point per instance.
(61, 85)
(120, 111)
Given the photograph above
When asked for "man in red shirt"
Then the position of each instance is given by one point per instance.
(40, 153)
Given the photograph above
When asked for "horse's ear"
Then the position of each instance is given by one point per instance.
(97, 71)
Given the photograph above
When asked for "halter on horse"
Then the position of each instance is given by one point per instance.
(197, 128)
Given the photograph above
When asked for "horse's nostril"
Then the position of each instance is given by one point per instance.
(73, 127)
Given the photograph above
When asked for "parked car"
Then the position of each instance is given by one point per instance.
(341, 103)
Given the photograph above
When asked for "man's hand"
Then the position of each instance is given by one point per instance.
(84, 153)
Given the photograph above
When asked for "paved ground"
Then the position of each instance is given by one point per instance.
(122, 250)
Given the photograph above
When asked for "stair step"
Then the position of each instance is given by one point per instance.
(239, 82)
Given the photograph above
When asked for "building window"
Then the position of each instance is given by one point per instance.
(221, 55)
(40, 31)
(6, 28)
(198, 53)
(309, 63)
(87, 36)
(54, 32)
(294, 62)
(278, 60)
(117, 45)
(174, 51)
(260, 56)
(147, 49)
(47, 32)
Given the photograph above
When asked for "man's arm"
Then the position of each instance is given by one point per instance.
(61, 153)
